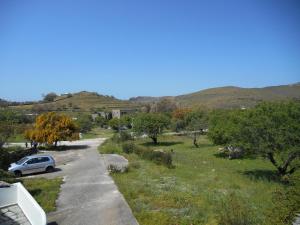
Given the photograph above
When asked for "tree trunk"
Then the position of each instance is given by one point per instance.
(290, 158)
(195, 140)
(154, 139)
(283, 170)
(55, 144)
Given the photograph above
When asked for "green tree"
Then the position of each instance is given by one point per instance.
(223, 126)
(84, 122)
(270, 129)
(196, 122)
(151, 124)
(126, 121)
(14, 117)
(6, 131)
(114, 123)
(50, 97)
(51, 128)
(101, 121)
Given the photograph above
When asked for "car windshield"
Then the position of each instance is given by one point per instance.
(21, 160)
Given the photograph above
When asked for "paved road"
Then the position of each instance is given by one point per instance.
(88, 195)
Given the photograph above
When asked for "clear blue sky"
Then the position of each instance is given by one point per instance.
(154, 47)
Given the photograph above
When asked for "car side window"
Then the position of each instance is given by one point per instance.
(32, 161)
(44, 159)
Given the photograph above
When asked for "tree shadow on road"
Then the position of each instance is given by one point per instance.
(52, 223)
(64, 147)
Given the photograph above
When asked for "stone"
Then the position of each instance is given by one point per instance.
(4, 184)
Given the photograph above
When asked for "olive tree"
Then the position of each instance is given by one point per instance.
(196, 122)
(151, 124)
(270, 129)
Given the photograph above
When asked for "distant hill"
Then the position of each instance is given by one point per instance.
(231, 97)
(3, 103)
(222, 97)
(148, 99)
(82, 101)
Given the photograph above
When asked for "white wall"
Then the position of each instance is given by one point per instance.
(17, 194)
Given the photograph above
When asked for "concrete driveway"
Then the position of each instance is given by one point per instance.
(88, 195)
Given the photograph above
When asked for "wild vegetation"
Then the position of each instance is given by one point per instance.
(202, 186)
(188, 179)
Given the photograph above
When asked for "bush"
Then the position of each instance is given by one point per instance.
(125, 136)
(286, 203)
(108, 147)
(128, 147)
(114, 123)
(122, 137)
(7, 177)
(13, 154)
(159, 157)
(233, 210)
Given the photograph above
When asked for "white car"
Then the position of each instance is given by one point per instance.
(33, 164)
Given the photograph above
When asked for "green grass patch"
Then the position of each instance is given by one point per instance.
(191, 192)
(110, 147)
(17, 138)
(98, 132)
(45, 191)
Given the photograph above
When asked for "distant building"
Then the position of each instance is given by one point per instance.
(118, 113)
(65, 94)
(106, 115)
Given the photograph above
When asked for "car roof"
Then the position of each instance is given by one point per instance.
(36, 156)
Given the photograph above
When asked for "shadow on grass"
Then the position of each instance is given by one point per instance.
(201, 145)
(221, 155)
(64, 147)
(35, 192)
(225, 156)
(258, 174)
(163, 144)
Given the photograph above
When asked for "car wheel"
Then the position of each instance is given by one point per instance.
(18, 173)
(49, 169)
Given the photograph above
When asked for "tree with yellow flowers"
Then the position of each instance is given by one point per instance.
(52, 127)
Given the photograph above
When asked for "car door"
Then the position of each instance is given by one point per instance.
(36, 165)
(30, 166)
(44, 161)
